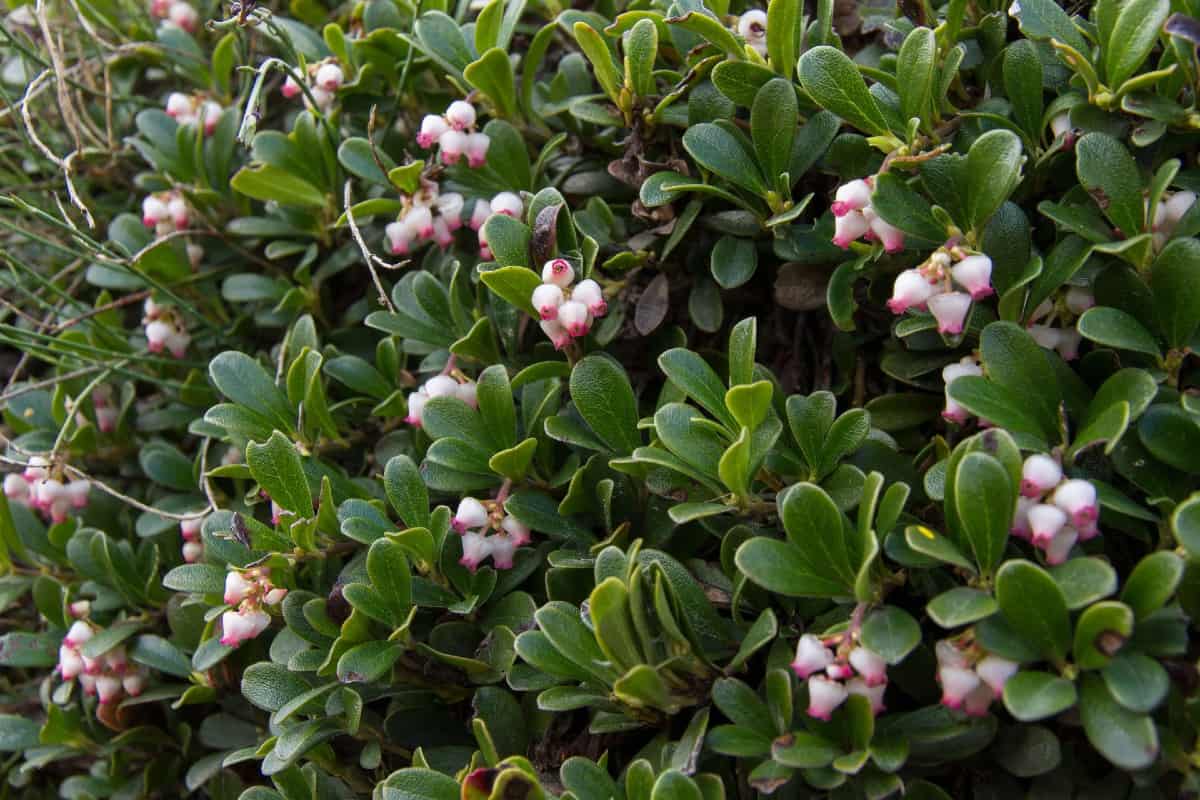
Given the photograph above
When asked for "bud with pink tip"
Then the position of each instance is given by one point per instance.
(154, 211)
(419, 220)
(461, 115)
(156, 335)
(432, 127)
(108, 688)
(949, 655)
(1078, 499)
(290, 88)
(79, 633)
(92, 666)
(241, 626)
(556, 332)
(1045, 336)
(590, 294)
(276, 513)
(441, 386)
(47, 492)
(470, 514)
(839, 671)
(574, 317)
(1039, 474)
(516, 530)
(416, 405)
(399, 238)
(453, 144)
(88, 684)
(1060, 124)
(957, 683)
(180, 215)
(192, 552)
(485, 252)
(116, 660)
(442, 236)
(509, 204)
(995, 672)
(16, 488)
(80, 608)
(950, 373)
(849, 227)
(869, 665)
(480, 214)
(160, 8)
(1020, 524)
(190, 529)
(450, 207)
(502, 550)
(546, 299)
(70, 664)
(1069, 340)
(891, 237)
(178, 105)
(184, 16)
(477, 149)
(1045, 521)
(275, 596)
(330, 77)
(811, 656)
(237, 587)
(824, 696)
(974, 273)
(978, 700)
(77, 493)
(476, 547)
(910, 290)
(134, 683)
(559, 272)
(950, 310)
(1058, 548)
(177, 342)
(874, 694)
(852, 196)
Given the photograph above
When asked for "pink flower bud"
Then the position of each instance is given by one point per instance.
(240, 626)
(178, 209)
(330, 77)
(184, 16)
(889, 235)
(59, 510)
(910, 290)
(1078, 499)
(290, 88)
(108, 687)
(873, 693)
(951, 372)
(477, 149)
(453, 144)
(77, 493)
(1058, 548)
(476, 547)
(156, 335)
(752, 25)
(115, 660)
(869, 665)
(70, 664)
(1020, 524)
(49, 491)
(16, 488)
(1044, 335)
(154, 211)
(419, 220)
(398, 238)
(470, 514)
(573, 315)
(509, 204)
(824, 696)
(811, 656)
(1079, 299)
(480, 214)
(79, 633)
(322, 99)
(1060, 124)
(450, 207)
(559, 272)
(1177, 205)
(80, 608)
(441, 233)
(276, 513)
(91, 666)
(160, 8)
(468, 393)
(995, 672)
(441, 386)
(190, 529)
(839, 671)
(416, 404)
(275, 596)
(1039, 474)
(849, 227)
(1069, 340)
(1045, 521)
(590, 294)
(546, 299)
(177, 343)
(517, 531)
(178, 104)
(432, 127)
(236, 587)
(134, 684)
(950, 310)
(957, 683)
(974, 273)
(461, 115)
(503, 548)
(88, 684)
(192, 552)
(557, 333)
(852, 196)
(948, 654)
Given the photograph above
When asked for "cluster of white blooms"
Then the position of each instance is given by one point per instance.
(324, 79)
(1167, 213)
(567, 312)
(855, 218)
(967, 365)
(177, 12)
(430, 215)
(164, 329)
(931, 286)
(752, 26)
(165, 212)
(488, 533)
(832, 676)
(439, 386)
(106, 676)
(189, 531)
(38, 488)
(1054, 512)
(248, 591)
(194, 109)
(971, 678)
(1064, 340)
(455, 135)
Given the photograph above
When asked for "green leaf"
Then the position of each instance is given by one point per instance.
(784, 20)
(498, 414)
(1175, 281)
(773, 127)
(1084, 581)
(277, 468)
(604, 398)
(998, 405)
(927, 542)
(641, 50)
(509, 239)
(270, 686)
(1152, 583)
(1034, 606)
(196, 578)
(1113, 327)
(961, 606)
(993, 171)
(1045, 19)
(1133, 36)
(1095, 629)
(831, 79)
(1110, 175)
(1015, 361)
(891, 632)
(902, 206)
(513, 284)
(17, 733)
(492, 74)
(720, 152)
(369, 661)
(1030, 696)
(1172, 435)
(1128, 739)
(743, 344)
(703, 23)
(560, 623)
(1023, 84)
(1136, 681)
(695, 378)
(1185, 524)
(243, 380)
(514, 462)
(269, 183)
(443, 41)
(388, 569)
(406, 491)
(592, 43)
(984, 498)
(915, 65)
(804, 750)
(779, 567)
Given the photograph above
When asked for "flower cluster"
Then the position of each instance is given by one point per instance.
(971, 678)
(105, 676)
(38, 488)
(455, 136)
(567, 312)
(931, 286)
(752, 26)
(833, 676)
(177, 12)
(248, 591)
(189, 530)
(488, 533)
(967, 365)
(439, 386)
(165, 212)
(194, 109)
(1167, 214)
(856, 219)
(324, 79)
(1054, 512)
(164, 329)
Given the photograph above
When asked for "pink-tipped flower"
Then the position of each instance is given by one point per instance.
(556, 332)
(106, 419)
(910, 290)
(276, 513)
(419, 220)
(974, 273)
(180, 214)
(811, 656)
(134, 683)
(546, 299)
(1020, 524)
(476, 547)
(869, 665)
(441, 233)
(237, 588)
(47, 492)
(516, 530)
(184, 16)
(79, 633)
(1039, 474)
(399, 238)
(485, 252)
(591, 295)
(77, 493)
(461, 115)
(1177, 205)
(432, 128)
(509, 204)
(1078, 499)
(275, 596)
(453, 144)
(36, 469)
(824, 696)
(330, 77)
(290, 88)
(480, 214)
(192, 552)
(891, 237)
(16, 488)
(950, 310)
(1045, 336)
(322, 99)
(416, 405)
(502, 550)
(1069, 340)
(1079, 299)
(80, 608)
(115, 660)
(450, 207)
(1058, 548)
(441, 386)
(957, 683)
(177, 343)
(470, 515)
(559, 272)
(160, 8)
(1044, 521)
(70, 664)
(92, 666)
(477, 149)
(1060, 124)
(839, 671)
(241, 626)
(873, 693)
(154, 211)
(849, 227)
(952, 372)
(88, 684)
(190, 529)
(468, 392)
(209, 115)
(178, 105)
(978, 700)
(108, 688)
(852, 196)
(949, 655)
(995, 672)
(574, 317)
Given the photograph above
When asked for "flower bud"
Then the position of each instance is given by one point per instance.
(852, 196)
(398, 238)
(1078, 499)
(453, 144)
(811, 656)
(1039, 474)
(237, 587)
(36, 468)
(476, 547)
(559, 272)
(416, 404)
(889, 235)
(77, 493)
(450, 207)
(974, 273)
(180, 215)
(590, 294)
(1069, 340)
(134, 683)
(509, 204)
(824, 696)
(16, 488)
(477, 149)
(115, 660)
(752, 26)
(1045, 521)
(869, 665)
(80, 608)
(330, 77)
(419, 220)
(470, 514)
(502, 550)
(468, 392)
(957, 683)
(192, 552)
(70, 664)
(1060, 124)
(546, 299)
(557, 333)
(178, 104)
(1045, 336)
(1177, 205)
(184, 16)
(177, 343)
(441, 386)
(978, 700)
(995, 672)
(1058, 548)
(442, 236)
(873, 693)
(88, 684)
(154, 211)
(910, 290)
(290, 88)
(156, 335)
(948, 654)
(241, 626)
(849, 227)
(461, 115)
(108, 687)
(79, 633)
(516, 530)
(275, 596)
(479, 214)
(573, 315)
(950, 310)
(1020, 524)
(432, 128)
(190, 529)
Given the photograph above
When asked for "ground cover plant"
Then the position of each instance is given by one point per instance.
(636, 399)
